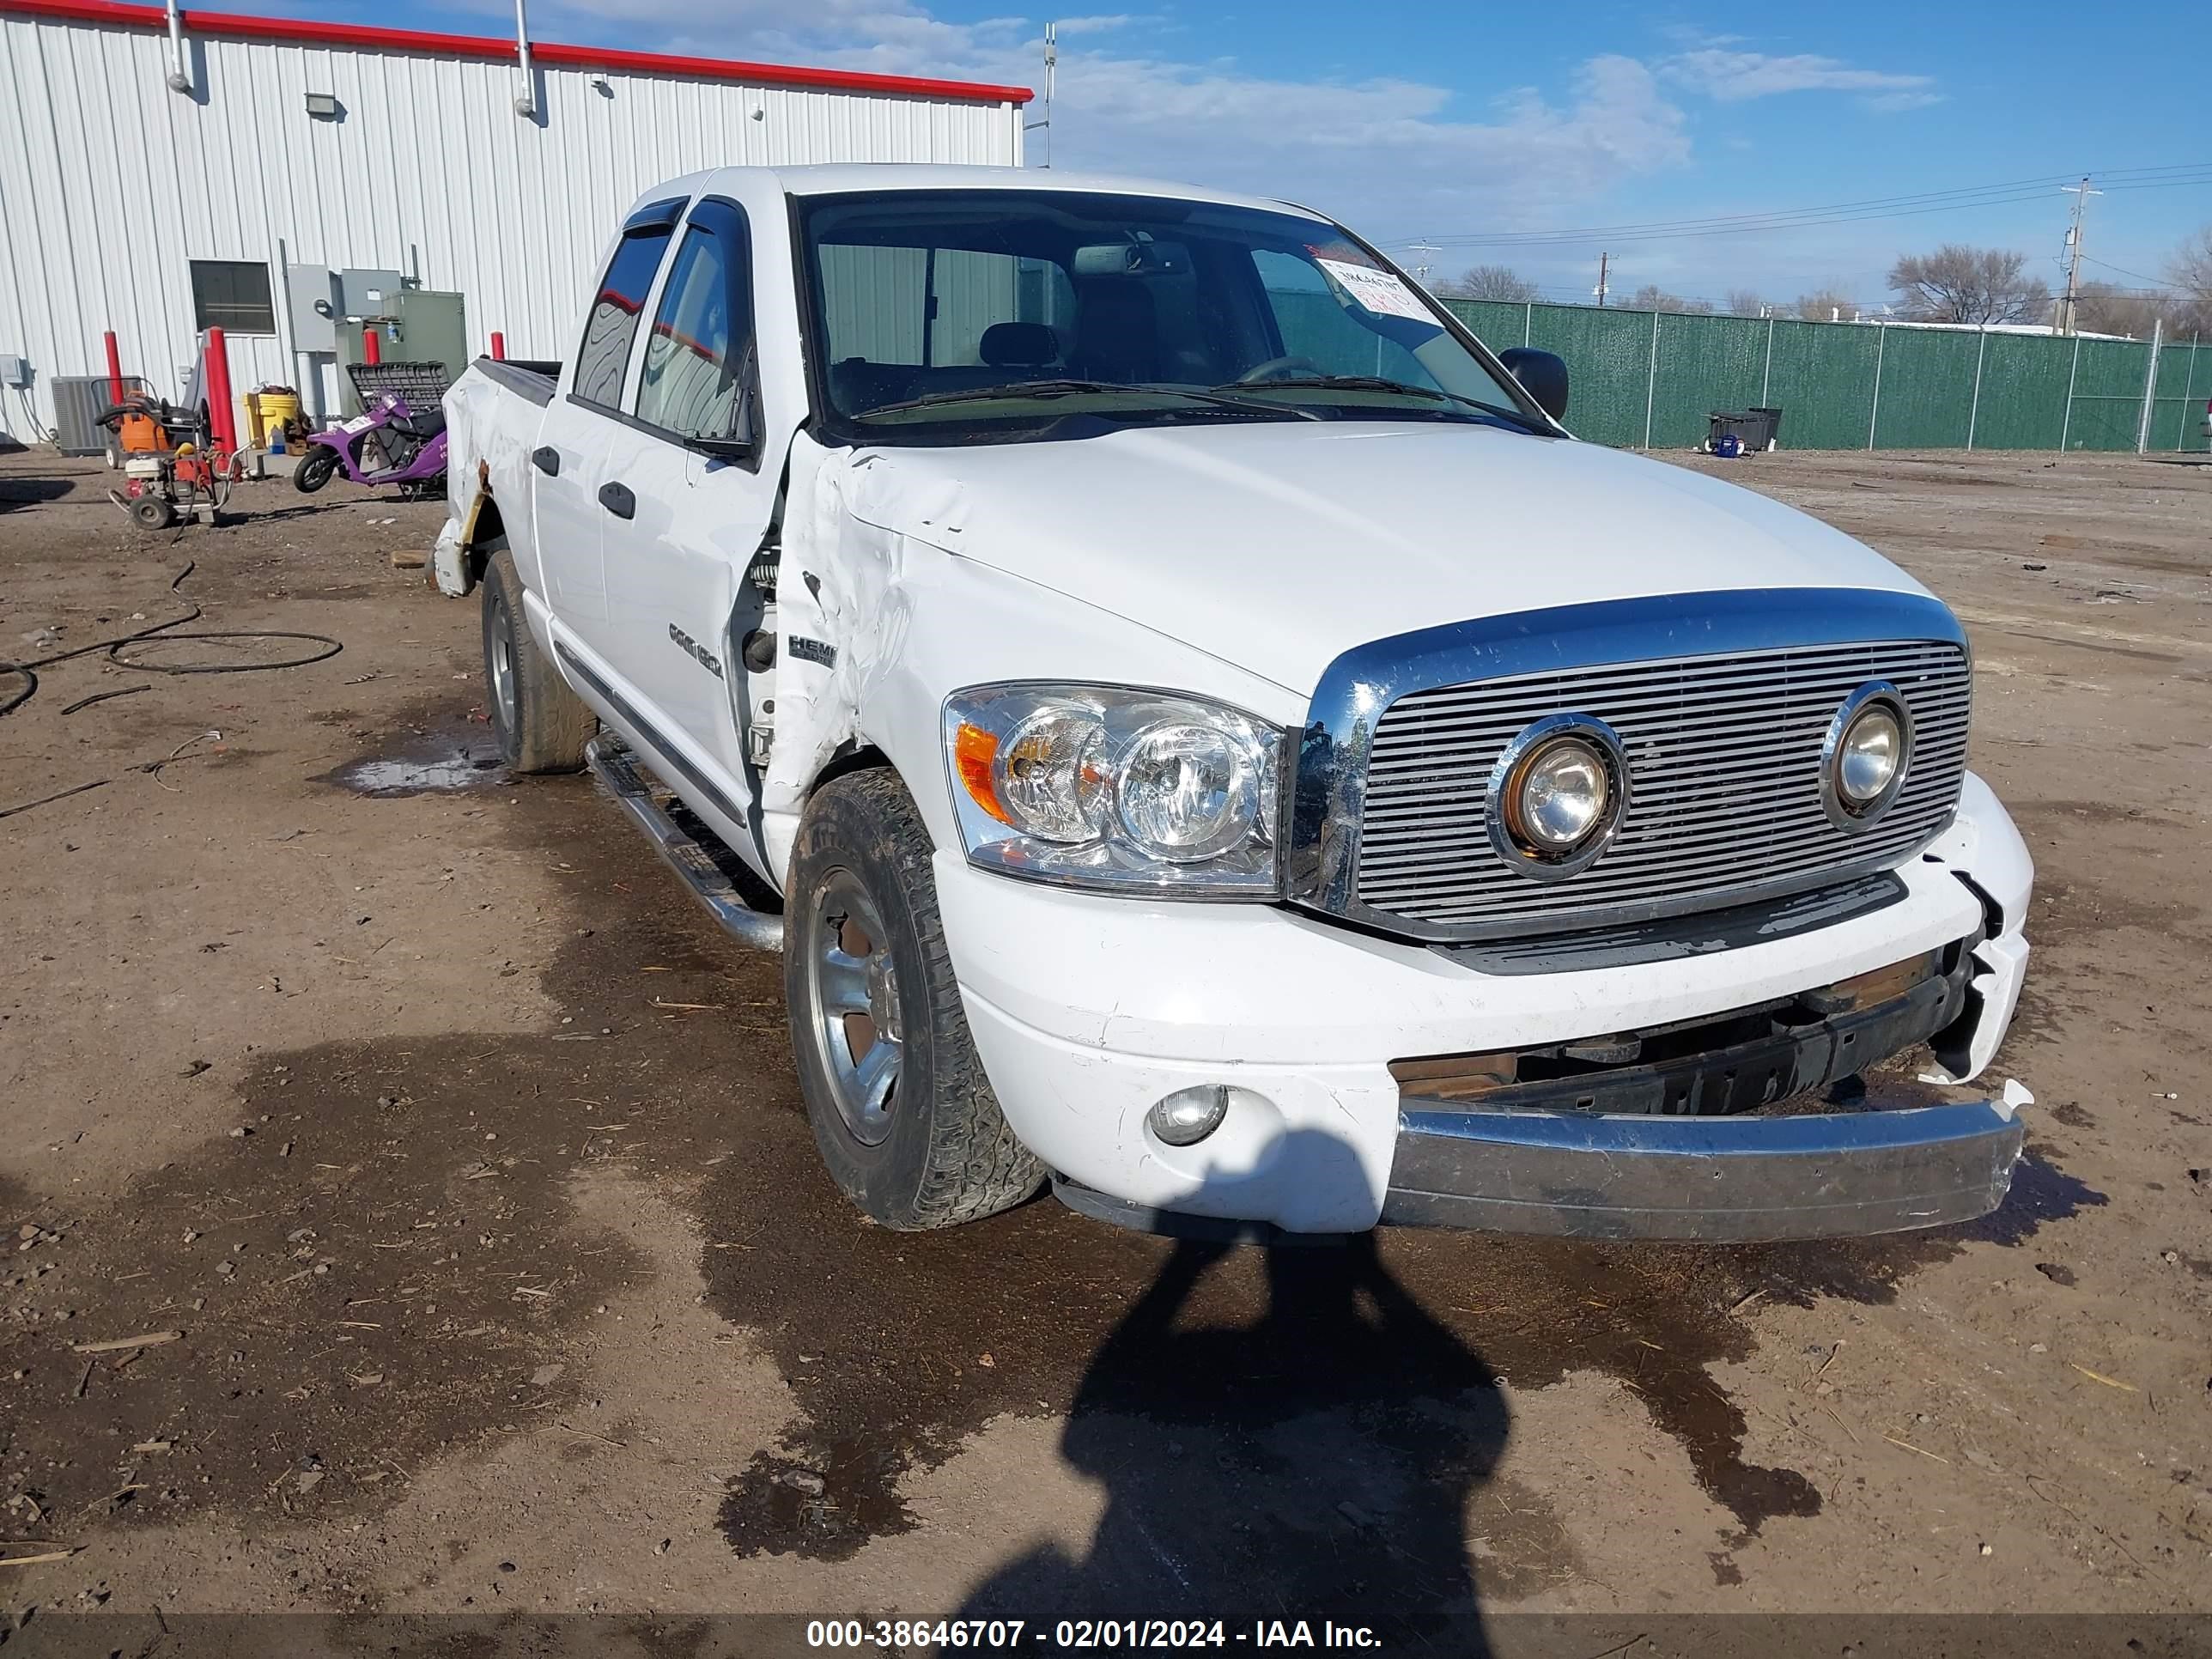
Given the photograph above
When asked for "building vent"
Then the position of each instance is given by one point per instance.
(79, 402)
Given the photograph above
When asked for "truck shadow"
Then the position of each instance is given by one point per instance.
(30, 491)
(1317, 1462)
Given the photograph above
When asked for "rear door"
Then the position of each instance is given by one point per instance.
(569, 461)
(690, 498)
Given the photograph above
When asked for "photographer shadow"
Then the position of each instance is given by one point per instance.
(1316, 1462)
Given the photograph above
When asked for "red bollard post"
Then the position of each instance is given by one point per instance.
(372, 348)
(222, 426)
(498, 346)
(114, 371)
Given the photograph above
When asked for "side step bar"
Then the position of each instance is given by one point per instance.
(618, 770)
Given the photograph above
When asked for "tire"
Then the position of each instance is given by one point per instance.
(315, 469)
(940, 1153)
(542, 725)
(152, 512)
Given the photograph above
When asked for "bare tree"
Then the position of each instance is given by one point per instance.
(1489, 282)
(2190, 272)
(1652, 297)
(1746, 302)
(2190, 267)
(1960, 284)
(2102, 308)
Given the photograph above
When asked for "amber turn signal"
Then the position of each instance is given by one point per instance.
(973, 749)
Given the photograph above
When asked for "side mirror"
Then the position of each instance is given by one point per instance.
(1542, 375)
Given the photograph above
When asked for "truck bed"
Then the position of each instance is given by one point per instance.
(493, 412)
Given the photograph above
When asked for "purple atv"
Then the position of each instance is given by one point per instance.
(393, 443)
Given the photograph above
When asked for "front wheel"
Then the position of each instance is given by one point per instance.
(314, 468)
(900, 1111)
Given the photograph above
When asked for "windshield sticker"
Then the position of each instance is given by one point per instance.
(1340, 249)
(1378, 291)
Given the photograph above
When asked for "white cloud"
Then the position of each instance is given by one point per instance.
(1720, 71)
(1068, 26)
(1891, 103)
(1391, 155)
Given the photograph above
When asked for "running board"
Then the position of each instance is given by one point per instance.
(618, 769)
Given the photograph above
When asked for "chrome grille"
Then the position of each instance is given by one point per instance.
(1724, 799)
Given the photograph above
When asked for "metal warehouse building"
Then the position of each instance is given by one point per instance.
(162, 173)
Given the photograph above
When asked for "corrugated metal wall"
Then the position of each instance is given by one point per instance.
(110, 184)
(1848, 386)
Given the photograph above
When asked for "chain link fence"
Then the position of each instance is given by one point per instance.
(1649, 380)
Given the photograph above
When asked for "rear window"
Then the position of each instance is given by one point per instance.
(604, 357)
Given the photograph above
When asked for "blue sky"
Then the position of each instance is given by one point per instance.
(1448, 122)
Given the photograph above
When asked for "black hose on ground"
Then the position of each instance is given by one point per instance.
(163, 631)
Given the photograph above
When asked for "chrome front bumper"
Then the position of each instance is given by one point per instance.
(1717, 1179)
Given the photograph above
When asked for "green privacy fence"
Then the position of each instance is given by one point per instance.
(1647, 379)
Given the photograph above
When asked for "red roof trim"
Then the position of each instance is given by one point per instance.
(239, 26)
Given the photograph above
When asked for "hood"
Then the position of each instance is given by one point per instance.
(1279, 546)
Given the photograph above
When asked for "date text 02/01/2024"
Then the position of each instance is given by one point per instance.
(1082, 1634)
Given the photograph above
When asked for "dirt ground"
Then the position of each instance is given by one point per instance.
(462, 1156)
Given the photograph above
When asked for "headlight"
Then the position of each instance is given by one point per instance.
(1098, 786)
(1863, 758)
(1556, 796)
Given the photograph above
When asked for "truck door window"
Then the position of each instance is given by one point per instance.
(697, 355)
(603, 356)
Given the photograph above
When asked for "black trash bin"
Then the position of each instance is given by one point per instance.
(1757, 429)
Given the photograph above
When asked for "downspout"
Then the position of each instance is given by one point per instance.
(179, 80)
(527, 104)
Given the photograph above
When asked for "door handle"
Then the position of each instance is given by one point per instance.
(546, 459)
(617, 500)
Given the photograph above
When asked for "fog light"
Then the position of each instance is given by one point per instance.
(1864, 756)
(1556, 796)
(1188, 1116)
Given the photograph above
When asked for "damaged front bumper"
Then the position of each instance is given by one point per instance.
(1701, 1139)
(1715, 1179)
(1087, 1010)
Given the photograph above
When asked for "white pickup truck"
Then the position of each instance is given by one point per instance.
(1203, 733)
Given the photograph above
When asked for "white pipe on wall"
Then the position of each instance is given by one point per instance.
(526, 102)
(180, 80)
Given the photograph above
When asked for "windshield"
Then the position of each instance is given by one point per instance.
(984, 315)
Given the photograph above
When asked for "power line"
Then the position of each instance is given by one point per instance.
(2006, 193)
(1734, 218)
(2158, 284)
(1774, 223)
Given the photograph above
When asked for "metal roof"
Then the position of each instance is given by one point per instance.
(243, 27)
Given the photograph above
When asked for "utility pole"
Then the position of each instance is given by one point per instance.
(1604, 261)
(1421, 270)
(2063, 323)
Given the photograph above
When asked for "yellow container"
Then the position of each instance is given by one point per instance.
(273, 409)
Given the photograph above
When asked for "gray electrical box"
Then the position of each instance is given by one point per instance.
(368, 292)
(14, 371)
(310, 294)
